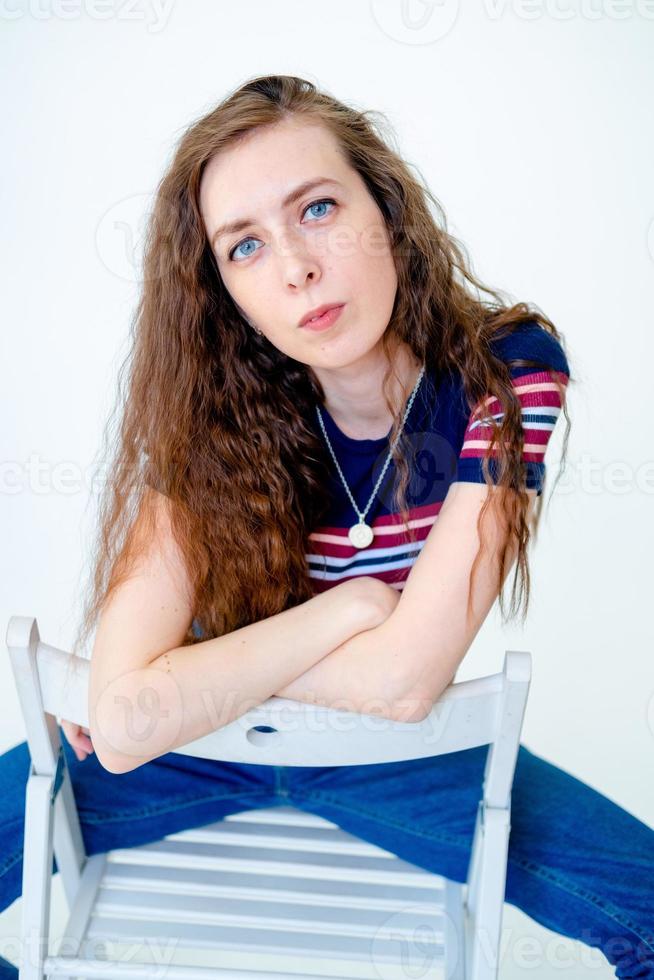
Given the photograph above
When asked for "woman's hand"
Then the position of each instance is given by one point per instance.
(78, 738)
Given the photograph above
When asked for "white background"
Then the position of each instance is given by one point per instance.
(531, 123)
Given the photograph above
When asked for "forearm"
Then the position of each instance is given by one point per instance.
(190, 691)
(363, 674)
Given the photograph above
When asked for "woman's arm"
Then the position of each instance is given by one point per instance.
(149, 694)
(189, 691)
(400, 668)
(360, 675)
(364, 674)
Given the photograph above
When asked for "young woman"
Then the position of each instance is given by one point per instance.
(331, 454)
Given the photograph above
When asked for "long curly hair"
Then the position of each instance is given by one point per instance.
(215, 416)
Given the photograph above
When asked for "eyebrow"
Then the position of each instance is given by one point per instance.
(233, 227)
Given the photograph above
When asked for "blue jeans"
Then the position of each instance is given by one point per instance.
(578, 863)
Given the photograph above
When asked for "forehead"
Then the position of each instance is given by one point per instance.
(257, 172)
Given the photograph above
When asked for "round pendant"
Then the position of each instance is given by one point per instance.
(360, 535)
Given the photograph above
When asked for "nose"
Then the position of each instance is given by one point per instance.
(297, 263)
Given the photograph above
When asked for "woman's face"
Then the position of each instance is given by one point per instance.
(329, 245)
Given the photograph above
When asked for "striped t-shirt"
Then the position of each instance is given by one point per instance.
(445, 443)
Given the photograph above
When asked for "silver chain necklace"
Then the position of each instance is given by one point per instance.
(361, 534)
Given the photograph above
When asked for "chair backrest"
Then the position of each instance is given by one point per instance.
(282, 732)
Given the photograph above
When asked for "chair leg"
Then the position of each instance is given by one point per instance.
(68, 843)
(455, 938)
(475, 859)
(486, 890)
(37, 876)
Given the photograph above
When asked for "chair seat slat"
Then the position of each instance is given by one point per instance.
(326, 840)
(269, 913)
(261, 940)
(202, 881)
(180, 854)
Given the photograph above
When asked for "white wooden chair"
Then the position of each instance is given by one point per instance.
(278, 883)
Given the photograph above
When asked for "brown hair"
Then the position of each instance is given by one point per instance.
(216, 416)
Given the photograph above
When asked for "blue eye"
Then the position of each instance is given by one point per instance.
(314, 204)
(240, 244)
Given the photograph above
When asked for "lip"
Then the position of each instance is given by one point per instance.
(327, 314)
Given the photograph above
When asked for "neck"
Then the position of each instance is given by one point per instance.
(354, 397)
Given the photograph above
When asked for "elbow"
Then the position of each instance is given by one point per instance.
(109, 757)
(102, 749)
(113, 767)
(103, 738)
(126, 728)
(417, 700)
(420, 691)
(110, 753)
(116, 761)
(110, 761)
(413, 707)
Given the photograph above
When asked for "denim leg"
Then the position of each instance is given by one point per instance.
(164, 796)
(578, 863)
